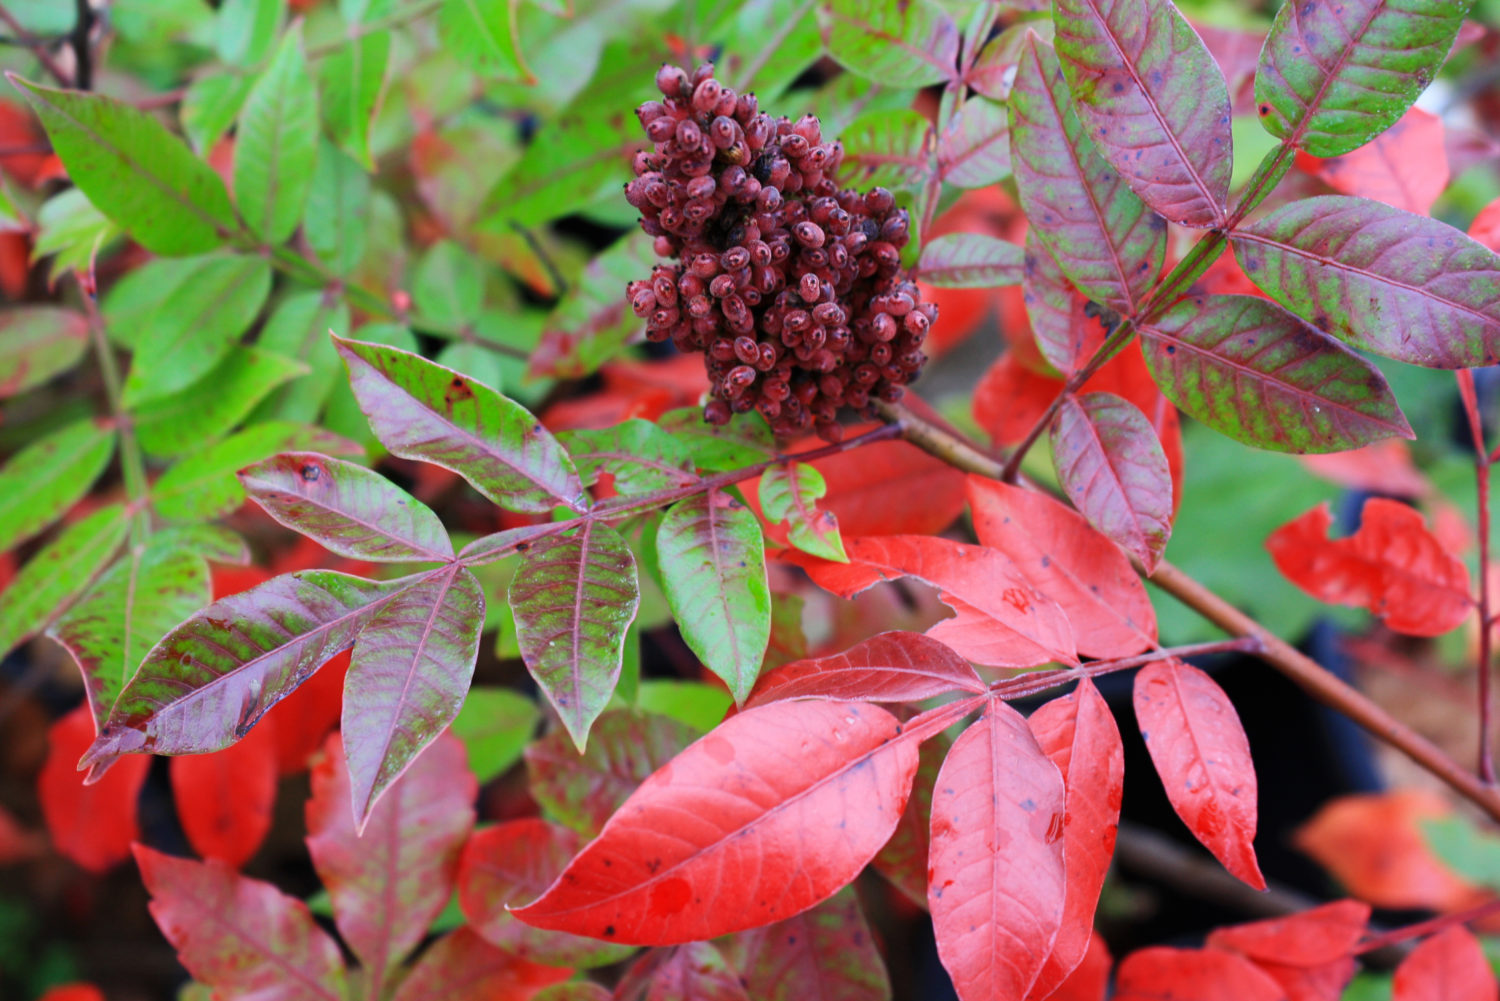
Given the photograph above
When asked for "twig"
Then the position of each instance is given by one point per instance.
(1424, 928)
(1482, 478)
(1040, 681)
(51, 65)
(82, 45)
(132, 464)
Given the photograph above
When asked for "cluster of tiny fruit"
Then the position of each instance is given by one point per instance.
(789, 285)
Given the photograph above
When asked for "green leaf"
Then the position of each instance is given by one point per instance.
(347, 509)
(298, 328)
(971, 260)
(135, 171)
(1466, 849)
(129, 307)
(247, 29)
(71, 231)
(276, 145)
(974, 151)
(700, 706)
(333, 221)
(36, 343)
(594, 322)
(203, 485)
(57, 575)
(713, 567)
(110, 629)
(193, 331)
(353, 78)
(481, 34)
(573, 598)
(495, 725)
(211, 105)
(42, 481)
(891, 149)
(212, 406)
(585, 152)
(1332, 76)
(896, 43)
(744, 441)
(777, 40)
(449, 285)
(639, 455)
(790, 493)
(420, 410)
(1251, 370)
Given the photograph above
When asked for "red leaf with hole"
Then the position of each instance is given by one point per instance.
(1078, 733)
(1067, 560)
(224, 799)
(890, 667)
(1392, 566)
(91, 824)
(1201, 753)
(1450, 966)
(996, 885)
(239, 936)
(1002, 620)
(769, 814)
(1309, 954)
(1163, 974)
(1405, 166)
(825, 954)
(389, 884)
(461, 966)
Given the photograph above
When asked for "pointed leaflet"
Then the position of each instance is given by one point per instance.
(1064, 334)
(1251, 370)
(1398, 284)
(827, 953)
(348, 509)
(640, 456)
(353, 79)
(461, 966)
(1113, 469)
(240, 936)
(1334, 74)
(896, 43)
(215, 404)
(574, 597)
(790, 493)
(1192, 975)
(1055, 549)
(224, 799)
(1310, 954)
(36, 343)
(1002, 620)
(276, 144)
(1106, 240)
(974, 151)
(57, 575)
(389, 884)
(772, 812)
(411, 668)
(996, 883)
(135, 171)
(1079, 734)
(1392, 566)
(41, 482)
(514, 862)
(1152, 100)
(208, 681)
(420, 410)
(1449, 966)
(91, 824)
(1201, 753)
(889, 667)
(970, 260)
(713, 568)
(583, 791)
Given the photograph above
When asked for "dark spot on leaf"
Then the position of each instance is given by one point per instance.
(310, 472)
(609, 930)
(457, 391)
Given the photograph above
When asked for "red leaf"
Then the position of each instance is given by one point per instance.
(903, 860)
(461, 966)
(890, 667)
(91, 824)
(1163, 974)
(1381, 467)
(773, 811)
(825, 954)
(387, 885)
(224, 799)
(514, 862)
(1009, 399)
(696, 972)
(240, 936)
(1486, 225)
(1078, 733)
(1392, 566)
(1002, 620)
(996, 885)
(890, 488)
(1065, 559)
(303, 718)
(1405, 166)
(575, 990)
(1090, 980)
(1311, 938)
(73, 992)
(1201, 753)
(1450, 966)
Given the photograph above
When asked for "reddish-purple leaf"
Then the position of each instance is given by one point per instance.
(1398, 284)
(1102, 236)
(573, 598)
(772, 812)
(1152, 100)
(1078, 733)
(410, 671)
(890, 667)
(1163, 974)
(510, 864)
(903, 860)
(348, 509)
(1203, 757)
(823, 954)
(1113, 468)
(1064, 334)
(240, 936)
(1002, 620)
(461, 966)
(1450, 966)
(974, 151)
(582, 791)
(996, 885)
(575, 990)
(224, 799)
(388, 884)
(1070, 562)
(696, 972)
(970, 260)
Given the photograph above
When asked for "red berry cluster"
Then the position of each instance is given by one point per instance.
(790, 285)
